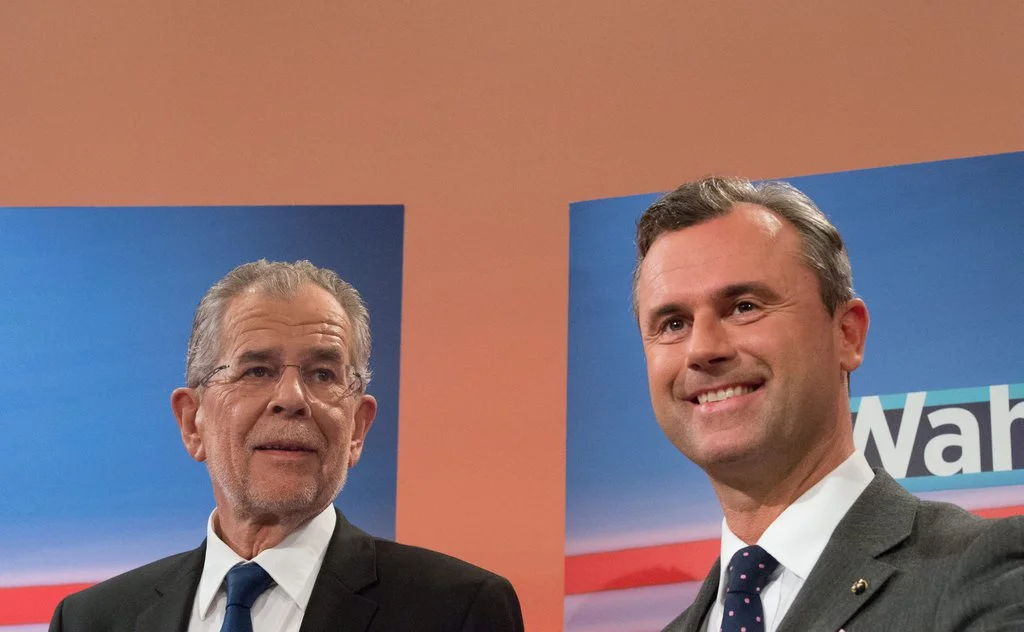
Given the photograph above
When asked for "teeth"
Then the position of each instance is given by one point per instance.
(724, 393)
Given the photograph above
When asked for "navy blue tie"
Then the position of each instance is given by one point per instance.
(246, 582)
(748, 573)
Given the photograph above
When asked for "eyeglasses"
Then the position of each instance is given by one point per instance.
(328, 382)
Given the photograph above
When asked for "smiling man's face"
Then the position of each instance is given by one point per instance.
(745, 365)
(276, 451)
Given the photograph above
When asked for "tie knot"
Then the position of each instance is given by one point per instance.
(749, 570)
(246, 582)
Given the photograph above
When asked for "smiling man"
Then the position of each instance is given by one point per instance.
(744, 299)
(276, 406)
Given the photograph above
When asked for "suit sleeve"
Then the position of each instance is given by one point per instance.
(495, 608)
(985, 589)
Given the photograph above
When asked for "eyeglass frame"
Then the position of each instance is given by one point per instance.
(359, 384)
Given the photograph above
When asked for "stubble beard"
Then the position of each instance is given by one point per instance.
(248, 503)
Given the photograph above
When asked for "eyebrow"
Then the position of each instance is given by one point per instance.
(751, 287)
(324, 354)
(727, 293)
(261, 355)
(318, 354)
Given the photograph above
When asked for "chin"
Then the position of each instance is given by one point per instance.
(724, 455)
(282, 502)
(309, 498)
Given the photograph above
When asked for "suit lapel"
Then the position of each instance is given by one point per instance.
(881, 518)
(350, 566)
(707, 595)
(173, 596)
(692, 619)
(829, 602)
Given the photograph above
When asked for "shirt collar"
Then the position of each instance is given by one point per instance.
(799, 535)
(294, 563)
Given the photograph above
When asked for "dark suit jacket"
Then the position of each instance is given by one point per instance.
(365, 585)
(929, 567)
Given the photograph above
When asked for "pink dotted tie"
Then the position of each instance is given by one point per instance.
(748, 574)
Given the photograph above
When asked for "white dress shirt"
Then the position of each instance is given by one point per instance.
(796, 539)
(294, 565)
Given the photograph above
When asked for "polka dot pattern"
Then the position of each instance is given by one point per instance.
(748, 572)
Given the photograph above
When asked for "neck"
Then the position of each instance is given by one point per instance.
(752, 503)
(248, 536)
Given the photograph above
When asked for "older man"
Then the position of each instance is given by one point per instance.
(744, 300)
(276, 407)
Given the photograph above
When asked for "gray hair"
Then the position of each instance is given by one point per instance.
(712, 197)
(279, 279)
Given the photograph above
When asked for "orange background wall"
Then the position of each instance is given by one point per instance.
(486, 119)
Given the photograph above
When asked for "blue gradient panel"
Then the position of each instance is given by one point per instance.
(623, 478)
(938, 256)
(97, 308)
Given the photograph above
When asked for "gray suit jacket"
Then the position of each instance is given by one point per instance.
(929, 567)
(365, 585)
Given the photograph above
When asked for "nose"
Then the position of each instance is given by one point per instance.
(710, 345)
(289, 395)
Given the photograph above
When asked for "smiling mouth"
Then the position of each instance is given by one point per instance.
(723, 394)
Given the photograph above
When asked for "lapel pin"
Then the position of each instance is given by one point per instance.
(859, 587)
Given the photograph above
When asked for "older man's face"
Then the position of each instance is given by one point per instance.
(745, 364)
(278, 450)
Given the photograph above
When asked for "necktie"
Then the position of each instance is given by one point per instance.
(246, 582)
(749, 570)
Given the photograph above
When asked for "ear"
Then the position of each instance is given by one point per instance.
(852, 321)
(185, 404)
(364, 415)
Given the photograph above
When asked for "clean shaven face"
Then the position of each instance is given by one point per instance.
(742, 356)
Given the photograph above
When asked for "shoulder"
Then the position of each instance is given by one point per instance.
(139, 581)
(886, 511)
(978, 540)
(962, 569)
(416, 588)
(984, 586)
(352, 548)
(944, 567)
(430, 568)
(426, 585)
(123, 596)
(949, 528)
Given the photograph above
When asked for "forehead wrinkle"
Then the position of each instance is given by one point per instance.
(275, 317)
(324, 345)
(247, 324)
